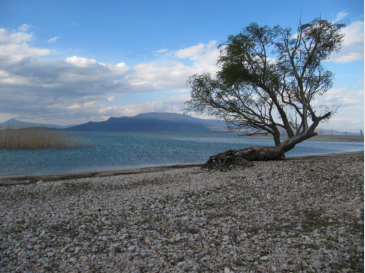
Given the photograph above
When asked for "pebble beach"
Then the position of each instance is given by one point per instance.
(294, 215)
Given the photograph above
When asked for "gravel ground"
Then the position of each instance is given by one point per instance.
(301, 215)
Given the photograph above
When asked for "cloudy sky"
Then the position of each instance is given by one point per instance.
(69, 62)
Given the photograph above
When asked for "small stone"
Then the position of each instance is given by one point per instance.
(190, 253)
(264, 258)
(124, 236)
(186, 267)
(273, 268)
(204, 259)
(132, 248)
(317, 264)
(227, 270)
(283, 234)
(225, 230)
(243, 235)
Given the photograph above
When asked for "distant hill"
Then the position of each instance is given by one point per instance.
(151, 122)
(351, 133)
(181, 118)
(144, 123)
(14, 123)
(319, 131)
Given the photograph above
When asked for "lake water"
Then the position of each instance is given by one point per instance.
(116, 151)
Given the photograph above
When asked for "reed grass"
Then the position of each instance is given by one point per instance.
(20, 136)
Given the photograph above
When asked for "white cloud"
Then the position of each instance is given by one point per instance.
(158, 76)
(181, 98)
(94, 110)
(174, 104)
(344, 120)
(184, 90)
(13, 45)
(353, 44)
(347, 98)
(173, 73)
(348, 101)
(202, 54)
(24, 27)
(17, 52)
(81, 62)
(354, 33)
(7, 37)
(52, 40)
(161, 51)
(75, 87)
(340, 16)
(345, 94)
(81, 89)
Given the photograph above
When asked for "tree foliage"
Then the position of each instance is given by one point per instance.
(269, 78)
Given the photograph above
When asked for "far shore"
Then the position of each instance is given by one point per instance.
(318, 138)
(28, 180)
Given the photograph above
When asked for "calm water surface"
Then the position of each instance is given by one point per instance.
(116, 151)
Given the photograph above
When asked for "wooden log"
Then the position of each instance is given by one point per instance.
(244, 156)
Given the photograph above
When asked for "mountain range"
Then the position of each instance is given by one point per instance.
(150, 122)
(154, 122)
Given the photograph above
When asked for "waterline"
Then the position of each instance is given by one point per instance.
(120, 151)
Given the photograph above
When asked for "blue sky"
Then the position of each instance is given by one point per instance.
(67, 62)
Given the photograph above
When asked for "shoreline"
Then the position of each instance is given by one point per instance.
(32, 179)
(317, 138)
(276, 216)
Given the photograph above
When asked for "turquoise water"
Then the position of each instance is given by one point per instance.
(116, 151)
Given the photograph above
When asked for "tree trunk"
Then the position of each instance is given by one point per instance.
(244, 156)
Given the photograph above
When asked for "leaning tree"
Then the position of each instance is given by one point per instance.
(267, 84)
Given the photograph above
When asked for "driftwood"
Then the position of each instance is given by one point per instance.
(244, 157)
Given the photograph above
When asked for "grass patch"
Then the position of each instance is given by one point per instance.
(22, 137)
(314, 220)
